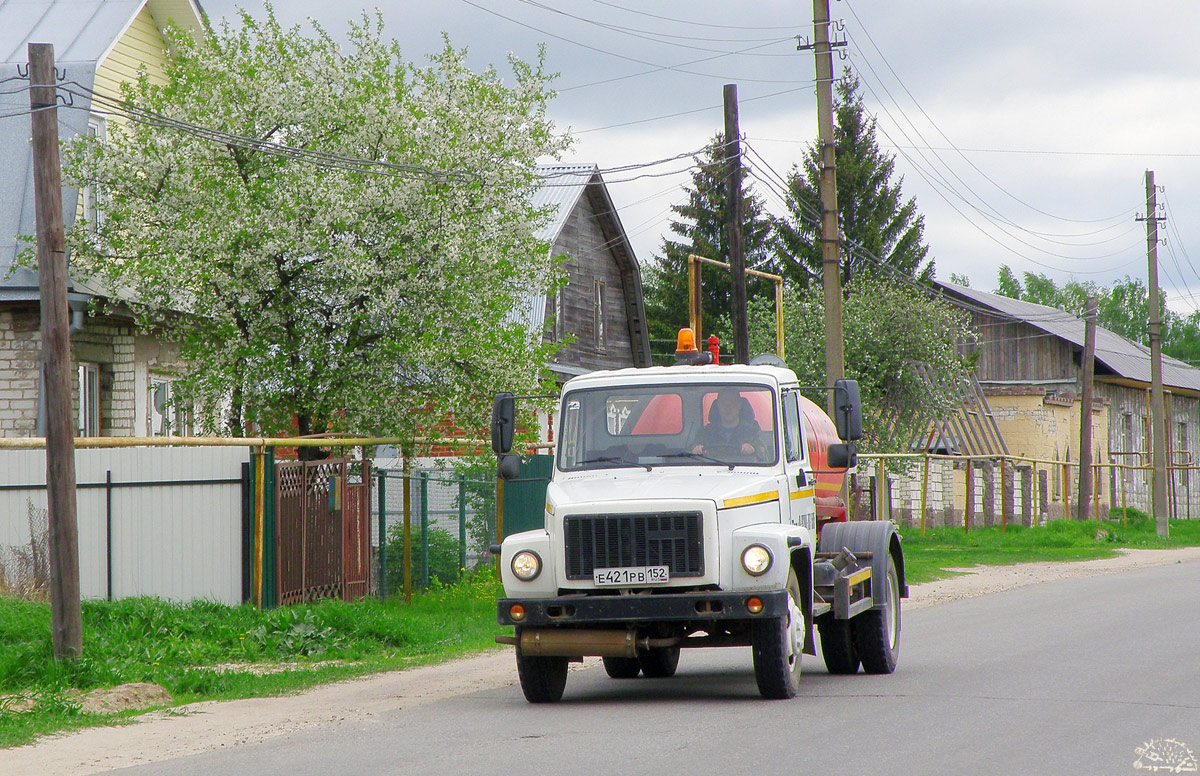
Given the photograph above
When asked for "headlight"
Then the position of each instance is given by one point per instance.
(526, 565)
(756, 560)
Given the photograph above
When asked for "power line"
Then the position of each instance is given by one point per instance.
(682, 112)
(686, 21)
(655, 65)
(948, 140)
(647, 35)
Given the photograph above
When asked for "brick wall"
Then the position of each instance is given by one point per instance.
(107, 342)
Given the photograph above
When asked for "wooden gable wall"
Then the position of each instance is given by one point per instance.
(1013, 350)
(591, 257)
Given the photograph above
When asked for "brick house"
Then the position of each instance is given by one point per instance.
(123, 376)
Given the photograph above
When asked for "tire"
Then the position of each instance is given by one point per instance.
(543, 679)
(837, 646)
(777, 648)
(622, 667)
(877, 632)
(659, 662)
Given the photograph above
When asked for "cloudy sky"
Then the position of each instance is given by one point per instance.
(1023, 129)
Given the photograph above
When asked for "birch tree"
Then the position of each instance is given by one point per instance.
(345, 244)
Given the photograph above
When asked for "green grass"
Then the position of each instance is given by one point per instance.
(930, 557)
(180, 647)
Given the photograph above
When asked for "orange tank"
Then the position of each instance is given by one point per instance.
(820, 432)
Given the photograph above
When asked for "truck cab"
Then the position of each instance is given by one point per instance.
(683, 512)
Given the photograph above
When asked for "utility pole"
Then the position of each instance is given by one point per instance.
(1157, 407)
(1087, 369)
(733, 227)
(66, 620)
(830, 230)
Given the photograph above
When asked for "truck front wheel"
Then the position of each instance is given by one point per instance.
(777, 644)
(877, 632)
(659, 662)
(543, 679)
(622, 667)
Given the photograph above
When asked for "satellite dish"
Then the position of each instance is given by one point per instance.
(767, 359)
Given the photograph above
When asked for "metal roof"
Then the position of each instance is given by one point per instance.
(562, 186)
(83, 33)
(1123, 357)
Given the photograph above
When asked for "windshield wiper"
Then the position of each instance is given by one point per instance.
(614, 459)
(699, 457)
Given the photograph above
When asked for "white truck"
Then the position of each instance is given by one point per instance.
(668, 526)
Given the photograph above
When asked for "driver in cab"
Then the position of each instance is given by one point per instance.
(731, 426)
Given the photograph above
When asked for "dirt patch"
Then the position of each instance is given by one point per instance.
(125, 697)
(201, 727)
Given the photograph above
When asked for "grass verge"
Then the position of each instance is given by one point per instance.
(209, 651)
(934, 555)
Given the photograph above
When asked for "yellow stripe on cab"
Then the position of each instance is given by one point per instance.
(757, 498)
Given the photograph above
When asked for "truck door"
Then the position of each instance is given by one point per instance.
(798, 469)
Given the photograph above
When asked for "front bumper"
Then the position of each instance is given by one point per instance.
(583, 610)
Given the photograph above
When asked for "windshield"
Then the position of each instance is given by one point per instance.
(667, 425)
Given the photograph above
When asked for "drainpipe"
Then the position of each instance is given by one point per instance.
(78, 304)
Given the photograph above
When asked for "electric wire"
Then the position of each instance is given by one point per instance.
(934, 124)
(646, 35)
(935, 179)
(597, 49)
(686, 21)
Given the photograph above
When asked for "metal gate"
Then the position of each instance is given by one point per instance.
(322, 517)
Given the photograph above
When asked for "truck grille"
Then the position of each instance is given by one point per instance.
(671, 539)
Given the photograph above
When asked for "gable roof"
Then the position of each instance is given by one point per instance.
(83, 33)
(563, 187)
(1123, 357)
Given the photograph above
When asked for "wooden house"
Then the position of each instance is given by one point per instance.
(123, 376)
(600, 311)
(1027, 358)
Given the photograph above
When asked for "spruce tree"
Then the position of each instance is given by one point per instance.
(699, 228)
(871, 208)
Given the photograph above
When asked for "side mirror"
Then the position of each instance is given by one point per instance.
(509, 467)
(504, 414)
(841, 456)
(847, 410)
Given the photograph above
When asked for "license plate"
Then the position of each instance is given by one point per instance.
(633, 575)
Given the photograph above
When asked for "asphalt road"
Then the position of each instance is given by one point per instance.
(1069, 677)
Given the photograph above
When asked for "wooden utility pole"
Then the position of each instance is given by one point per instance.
(1087, 369)
(733, 228)
(1157, 409)
(830, 231)
(66, 620)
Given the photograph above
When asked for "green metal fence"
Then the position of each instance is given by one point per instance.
(443, 534)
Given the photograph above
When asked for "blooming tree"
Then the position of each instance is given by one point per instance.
(332, 235)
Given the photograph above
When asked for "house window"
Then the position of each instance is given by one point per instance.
(598, 312)
(556, 319)
(88, 420)
(92, 194)
(167, 416)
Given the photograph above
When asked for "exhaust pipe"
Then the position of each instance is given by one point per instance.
(561, 642)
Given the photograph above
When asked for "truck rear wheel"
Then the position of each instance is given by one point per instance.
(777, 644)
(877, 632)
(837, 646)
(543, 679)
(622, 667)
(659, 662)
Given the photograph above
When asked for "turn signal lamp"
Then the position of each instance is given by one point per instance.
(686, 342)
(754, 605)
(517, 612)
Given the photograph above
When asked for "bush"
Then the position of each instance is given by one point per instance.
(443, 557)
